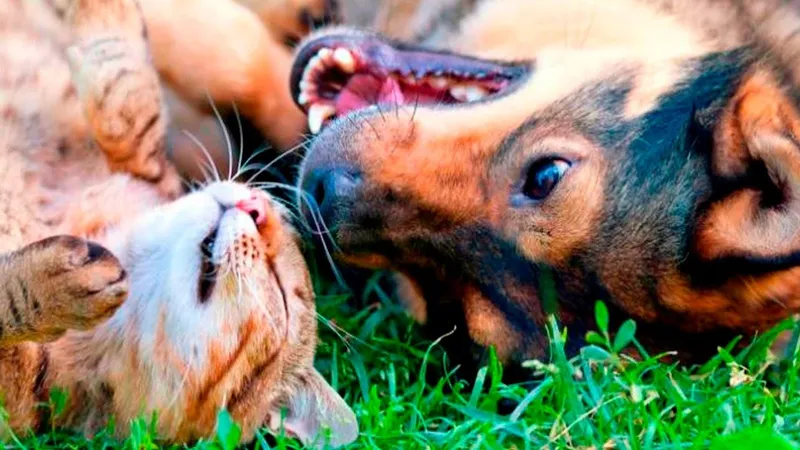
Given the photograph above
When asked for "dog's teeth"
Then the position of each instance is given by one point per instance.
(302, 99)
(475, 93)
(307, 86)
(468, 92)
(459, 92)
(317, 115)
(438, 83)
(315, 63)
(307, 72)
(325, 54)
(345, 60)
(411, 80)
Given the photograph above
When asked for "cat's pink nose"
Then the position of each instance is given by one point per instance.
(255, 207)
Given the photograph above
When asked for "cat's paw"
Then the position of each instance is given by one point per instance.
(118, 85)
(123, 103)
(71, 284)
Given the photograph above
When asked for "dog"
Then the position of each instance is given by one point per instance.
(510, 159)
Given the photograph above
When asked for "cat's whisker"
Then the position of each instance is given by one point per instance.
(262, 307)
(294, 215)
(239, 287)
(320, 227)
(185, 182)
(341, 333)
(228, 143)
(207, 175)
(241, 143)
(327, 251)
(188, 184)
(227, 270)
(317, 231)
(206, 153)
(186, 372)
(252, 166)
(245, 166)
(267, 166)
(205, 170)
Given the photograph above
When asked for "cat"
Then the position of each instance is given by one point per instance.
(117, 288)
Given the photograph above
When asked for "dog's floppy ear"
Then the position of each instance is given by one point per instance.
(756, 157)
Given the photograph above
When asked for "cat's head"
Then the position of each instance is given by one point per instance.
(220, 314)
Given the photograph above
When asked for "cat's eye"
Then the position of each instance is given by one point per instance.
(543, 176)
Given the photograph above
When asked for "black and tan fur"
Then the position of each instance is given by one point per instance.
(679, 122)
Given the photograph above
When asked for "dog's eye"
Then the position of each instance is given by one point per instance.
(543, 176)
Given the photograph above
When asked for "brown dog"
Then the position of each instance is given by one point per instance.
(646, 153)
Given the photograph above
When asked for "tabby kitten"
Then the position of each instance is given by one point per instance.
(178, 307)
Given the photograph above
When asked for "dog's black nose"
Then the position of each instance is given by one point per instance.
(327, 189)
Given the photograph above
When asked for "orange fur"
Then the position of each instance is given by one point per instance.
(607, 87)
(233, 62)
(219, 310)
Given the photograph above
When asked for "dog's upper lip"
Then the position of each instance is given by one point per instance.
(396, 56)
(338, 73)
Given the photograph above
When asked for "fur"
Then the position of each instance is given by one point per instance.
(119, 290)
(676, 120)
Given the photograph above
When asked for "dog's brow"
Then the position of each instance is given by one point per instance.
(508, 144)
(580, 109)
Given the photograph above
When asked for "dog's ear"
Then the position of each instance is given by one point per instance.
(755, 163)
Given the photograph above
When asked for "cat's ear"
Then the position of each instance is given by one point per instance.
(316, 414)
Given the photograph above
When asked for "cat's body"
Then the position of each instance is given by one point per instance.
(219, 310)
(62, 131)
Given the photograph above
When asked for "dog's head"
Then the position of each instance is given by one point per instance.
(642, 164)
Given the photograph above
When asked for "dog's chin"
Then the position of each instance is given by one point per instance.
(368, 261)
(455, 312)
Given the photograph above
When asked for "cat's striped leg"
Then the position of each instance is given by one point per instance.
(46, 288)
(23, 394)
(119, 87)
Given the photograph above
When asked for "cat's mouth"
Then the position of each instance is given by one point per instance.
(337, 74)
(209, 269)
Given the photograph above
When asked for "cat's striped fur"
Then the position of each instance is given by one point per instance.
(219, 309)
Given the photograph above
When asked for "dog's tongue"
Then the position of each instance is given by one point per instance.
(363, 90)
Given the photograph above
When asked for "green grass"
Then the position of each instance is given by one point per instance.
(599, 399)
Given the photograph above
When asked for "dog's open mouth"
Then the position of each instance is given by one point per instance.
(334, 75)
